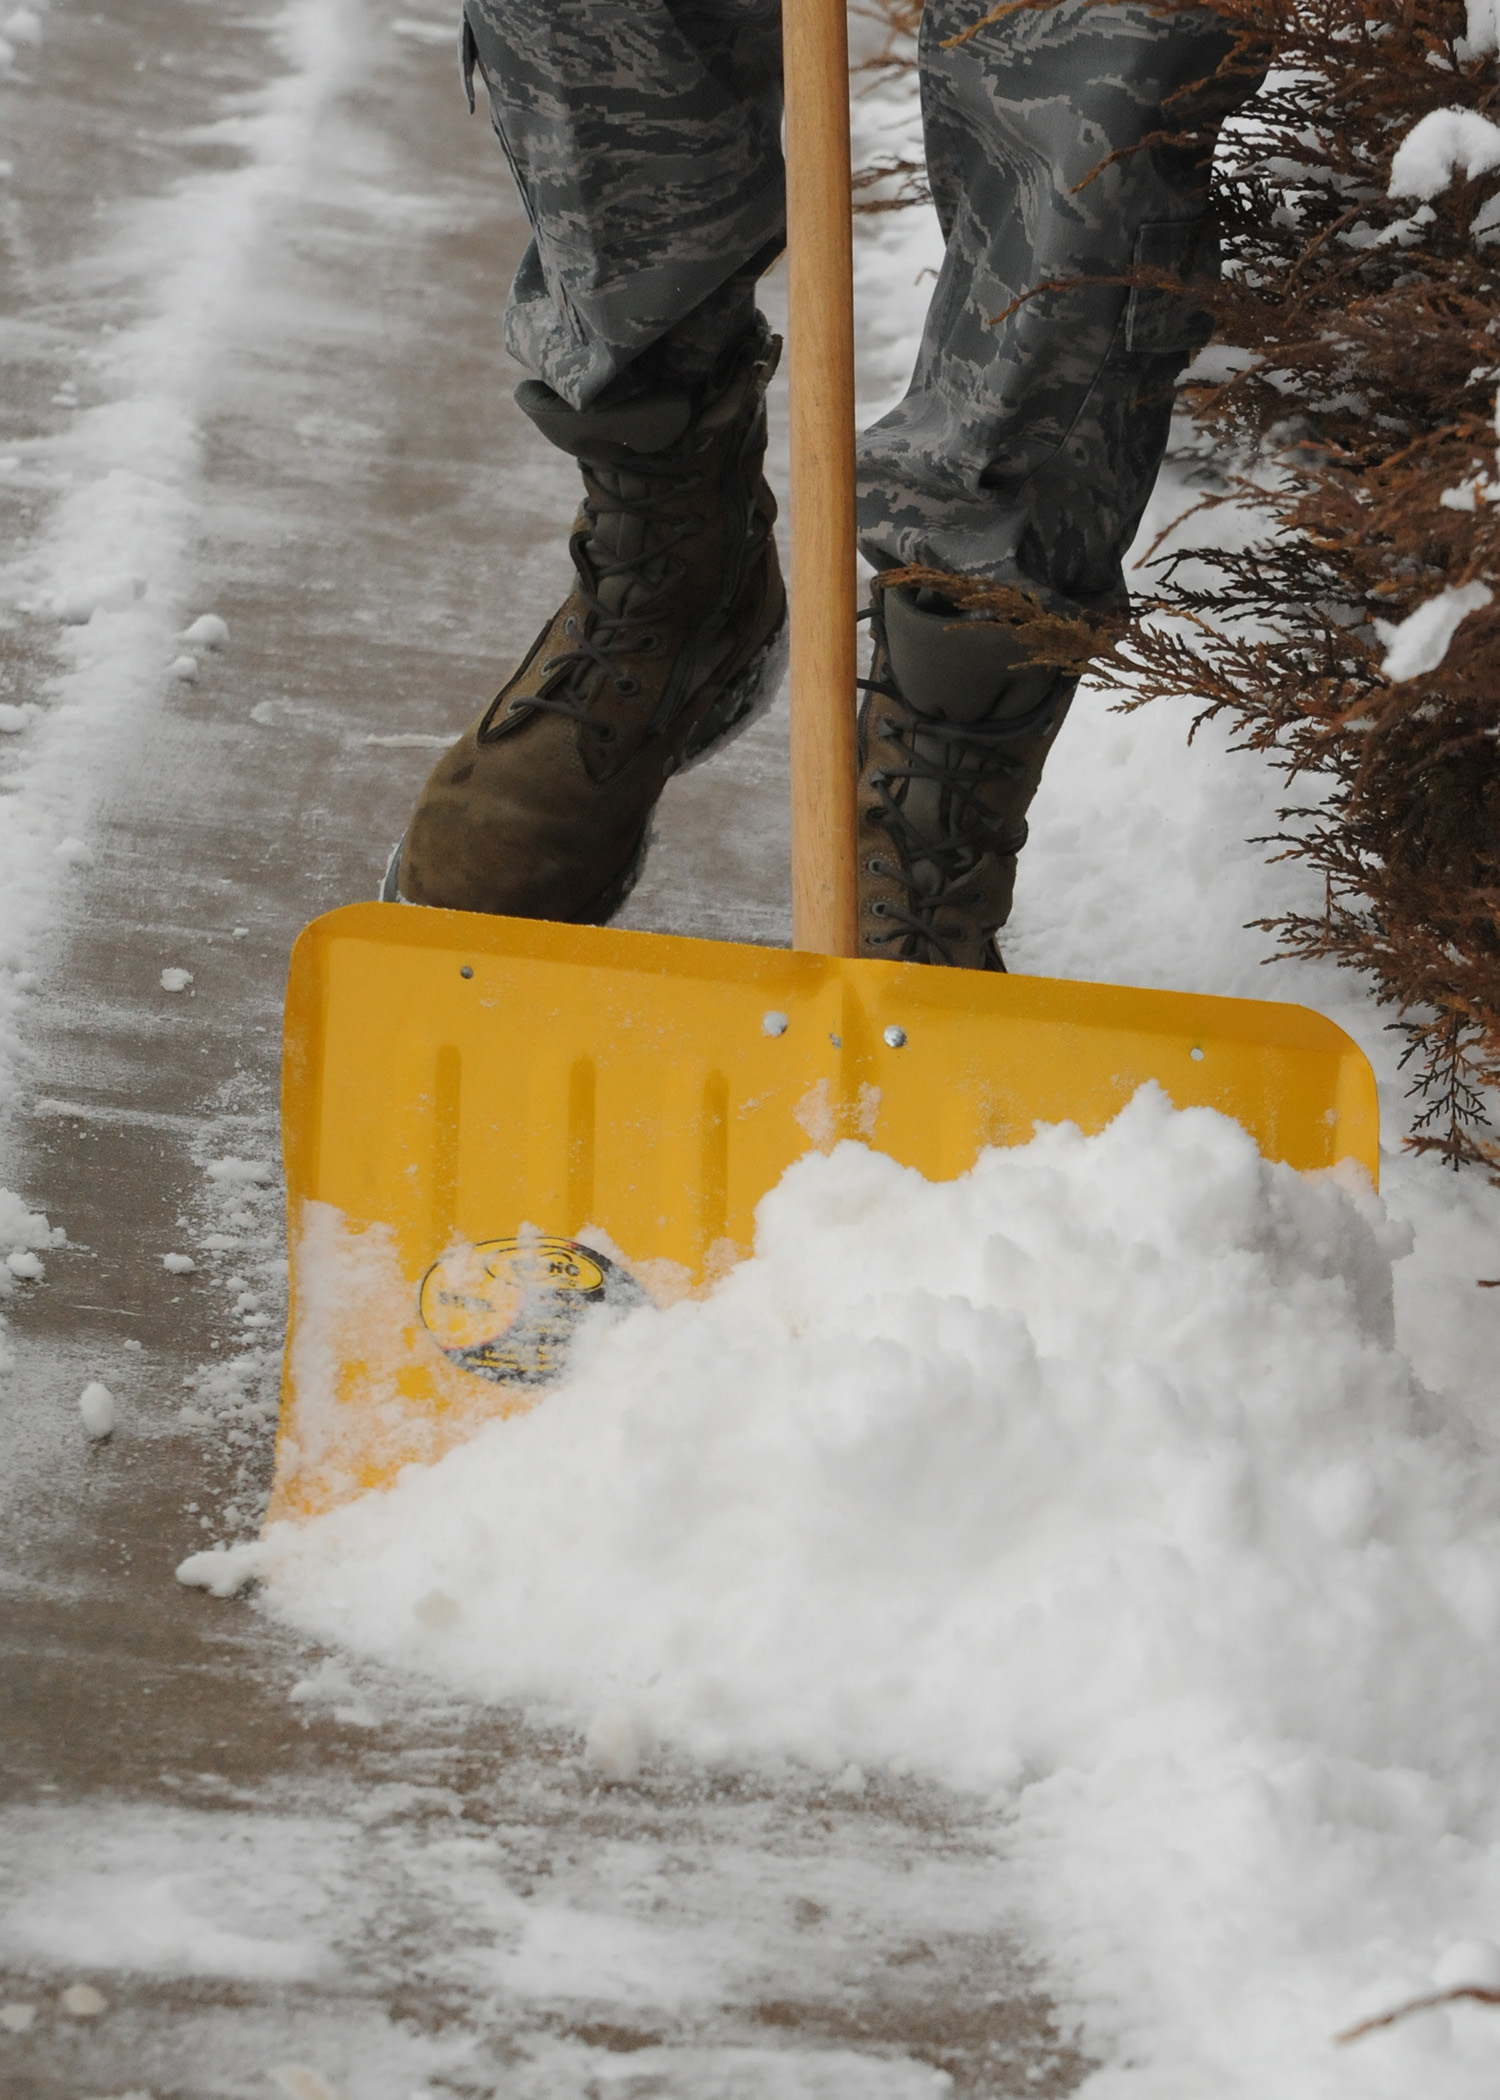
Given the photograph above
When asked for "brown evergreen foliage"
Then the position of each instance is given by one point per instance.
(1351, 390)
(1370, 328)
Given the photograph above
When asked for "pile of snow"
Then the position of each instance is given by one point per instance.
(233, 1172)
(22, 1228)
(1093, 1480)
(22, 1232)
(96, 1404)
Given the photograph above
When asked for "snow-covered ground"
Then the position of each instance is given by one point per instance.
(1103, 1559)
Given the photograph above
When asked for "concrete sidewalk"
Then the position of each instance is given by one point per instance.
(257, 1859)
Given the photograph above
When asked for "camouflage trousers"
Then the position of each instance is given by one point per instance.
(1068, 146)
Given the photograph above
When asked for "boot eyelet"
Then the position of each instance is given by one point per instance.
(627, 686)
(648, 644)
(880, 909)
(603, 731)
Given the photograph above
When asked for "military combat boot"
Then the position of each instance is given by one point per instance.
(953, 734)
(671, 641)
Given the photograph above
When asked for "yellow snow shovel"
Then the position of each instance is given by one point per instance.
(493, 1124)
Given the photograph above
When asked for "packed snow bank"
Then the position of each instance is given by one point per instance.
(1093, 1479)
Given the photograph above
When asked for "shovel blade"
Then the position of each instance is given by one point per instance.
(491, 1124)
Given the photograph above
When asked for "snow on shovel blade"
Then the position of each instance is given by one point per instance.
(495, 1126)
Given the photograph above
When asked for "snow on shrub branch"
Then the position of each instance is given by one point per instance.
(1442, 141)
(1420, 642)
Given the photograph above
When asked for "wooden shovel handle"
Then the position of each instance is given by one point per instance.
(820, 270)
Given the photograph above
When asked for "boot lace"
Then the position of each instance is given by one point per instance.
(954, 853)
(609, 631)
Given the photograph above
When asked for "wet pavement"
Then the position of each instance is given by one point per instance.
(270, 1871)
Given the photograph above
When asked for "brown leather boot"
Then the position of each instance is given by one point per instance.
(953, 734)
(671, 641)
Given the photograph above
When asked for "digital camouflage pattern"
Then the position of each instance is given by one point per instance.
(1025, 449)
(646, 142)
(644, 135)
